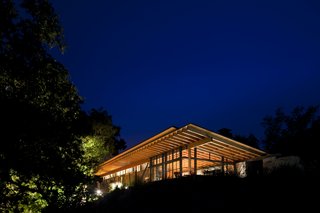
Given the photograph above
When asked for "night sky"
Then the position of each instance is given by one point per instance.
(153, 64)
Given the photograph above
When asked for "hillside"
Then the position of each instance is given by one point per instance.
(213, 194)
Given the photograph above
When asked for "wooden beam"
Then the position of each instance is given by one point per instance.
(231, 142)
(184, 138)
(235, 149)
(227, 150)
(200, 142)
(167, 145)
(192, 135)
(212, 154)
(208, 160)
(123, 167)
(177, 143)
(157, 149)
(241, 155)
(174, 143)
(218, 152)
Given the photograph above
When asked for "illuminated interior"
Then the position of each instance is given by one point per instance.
(175, 153)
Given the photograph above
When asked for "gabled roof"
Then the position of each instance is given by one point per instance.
(190, 135)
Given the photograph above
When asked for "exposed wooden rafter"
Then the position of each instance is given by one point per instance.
(210, 146)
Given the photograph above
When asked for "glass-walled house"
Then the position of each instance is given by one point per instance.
(177, 152)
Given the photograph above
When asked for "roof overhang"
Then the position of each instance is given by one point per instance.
(190, 136)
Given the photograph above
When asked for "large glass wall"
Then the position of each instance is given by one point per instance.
(182, 161)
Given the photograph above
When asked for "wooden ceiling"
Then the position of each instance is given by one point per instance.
(188, 136)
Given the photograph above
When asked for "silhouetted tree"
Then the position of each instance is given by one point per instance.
(42, 157)
(295, 134)
(225, 132)
(250, 140)
(101, 138)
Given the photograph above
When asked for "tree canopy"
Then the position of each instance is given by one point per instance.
(46, 159)
(297, 133)
(100, 138)
(250, 140)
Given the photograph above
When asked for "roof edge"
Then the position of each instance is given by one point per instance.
(155, 137)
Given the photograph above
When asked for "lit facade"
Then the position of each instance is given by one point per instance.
(177, 152)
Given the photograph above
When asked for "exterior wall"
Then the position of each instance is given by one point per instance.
(175, 163)
(268, 165)
(277, 162)
(200, 147)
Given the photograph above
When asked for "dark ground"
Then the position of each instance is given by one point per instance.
(215, 194)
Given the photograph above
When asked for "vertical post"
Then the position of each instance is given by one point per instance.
(165, 165)
(151, 169)
(156, 170)
(130, 179)
(222, 165)
(235, 168)
(172, 162)
(189, 159)
(134, 174)
(180, 161)
(195, 161)
(162, 165)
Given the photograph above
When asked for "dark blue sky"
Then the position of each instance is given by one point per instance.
(225, 63)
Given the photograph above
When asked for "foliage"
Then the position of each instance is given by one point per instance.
(250, 140)
(38, 108)
(101, 140)
(47, 149)
(285, 170)
(295, 134)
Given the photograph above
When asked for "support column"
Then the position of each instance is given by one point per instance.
(172, 167)
(222, 165)
(151, 168)
(235, 169)
(165, 165)
(189, 159)
(180, 161)
(195, 161)
(156, 169)
(130, 179)
(134, 175)
(162, 164)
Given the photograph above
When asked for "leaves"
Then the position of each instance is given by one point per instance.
(297, 133)
(39, 111)
(250, 140)
(102, 140)
(51, 145)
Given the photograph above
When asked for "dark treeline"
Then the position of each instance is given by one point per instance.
(295, 133)
(250, 140)
(49, 145)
